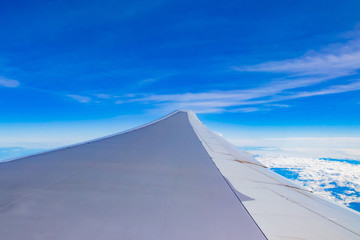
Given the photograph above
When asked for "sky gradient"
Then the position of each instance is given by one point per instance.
(74, 70)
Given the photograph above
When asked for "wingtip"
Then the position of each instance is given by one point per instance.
(185, 110)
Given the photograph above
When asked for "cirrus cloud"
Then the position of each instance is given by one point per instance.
(310, 70)
(6, 82)
(79, 98)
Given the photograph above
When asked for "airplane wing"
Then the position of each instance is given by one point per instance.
(170, 179)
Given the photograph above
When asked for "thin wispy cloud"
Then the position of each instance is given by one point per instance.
(147, 81)
(336, 60)
(103, 96)
(310, 70)
(222, 101)
(354, 86)
(82, 99)
(6, 82)
(332, 65)
(246, 109)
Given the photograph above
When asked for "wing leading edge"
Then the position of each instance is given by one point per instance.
(154, 182)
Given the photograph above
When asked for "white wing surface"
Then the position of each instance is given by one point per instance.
(170, 179)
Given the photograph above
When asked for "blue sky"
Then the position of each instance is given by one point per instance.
(74, 70)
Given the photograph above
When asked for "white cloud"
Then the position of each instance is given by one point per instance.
(223, 99)
(316, 163)
(119, 102)
(319, 175)
(82, 99)
(333, 61)
(147, 81)
(353, 86)
(103, 96)
(313, 161)
(246, 109)
(262, 98)
(315, 147)
(278, 105)
(315, 67)
(6, 82)
(329, 64)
